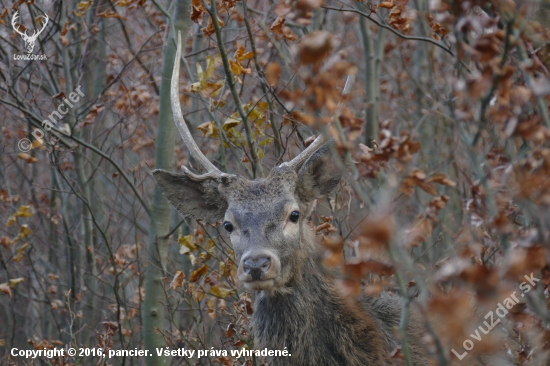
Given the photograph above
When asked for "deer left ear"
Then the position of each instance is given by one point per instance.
(196, 199)
(318, 176)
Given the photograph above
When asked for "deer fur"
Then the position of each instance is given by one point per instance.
(300, 309)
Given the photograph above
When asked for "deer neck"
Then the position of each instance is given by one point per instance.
(309, 317)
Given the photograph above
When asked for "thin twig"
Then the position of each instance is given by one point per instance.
(394, 31)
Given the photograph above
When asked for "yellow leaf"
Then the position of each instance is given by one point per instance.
(266, 142)
(24, 231)
(178, 280)
(231, 122)
(208, 129)
(84, 5)
(23, 211)
(195, 87)
(201, 74)
(11, 221)
(15, 281)
(22, 248)
(186, 242)
(219, 291)
(236, 68)
(240, 55)
(210, 67)
(18, 257)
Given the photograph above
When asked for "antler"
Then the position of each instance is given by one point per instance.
(212, 171)
(15, 16)
(299, 160)
(36, 34)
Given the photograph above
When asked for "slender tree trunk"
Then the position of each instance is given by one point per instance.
(373, 53)
(154, 308)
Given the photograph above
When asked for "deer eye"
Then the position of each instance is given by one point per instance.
(228, 226)
(294, 216)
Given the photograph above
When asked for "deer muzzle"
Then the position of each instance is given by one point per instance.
(258, 270)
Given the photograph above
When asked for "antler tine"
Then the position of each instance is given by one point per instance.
(43, 26)
(15, 16)
(212, 171)
(299, 160)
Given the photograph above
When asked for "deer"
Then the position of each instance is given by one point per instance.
(29, 40)
(297, 305)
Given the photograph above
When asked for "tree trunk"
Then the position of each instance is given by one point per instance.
(154, 308)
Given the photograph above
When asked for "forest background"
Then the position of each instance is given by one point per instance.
(440, 110)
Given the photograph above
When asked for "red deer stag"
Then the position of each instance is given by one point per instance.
(297, 305)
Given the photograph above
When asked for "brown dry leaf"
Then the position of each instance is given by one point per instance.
(5, 242)
(198, 273)
(178, 280)
(109, 14)
(308, 5)
(273, 73)
(442, 179)
(418, 232)
(209, 30)
(387, 4)
(5, 288)
(360, 268)
(28, 158)
(523, 261)
(315, 47)
(277, 26)
(376, 232)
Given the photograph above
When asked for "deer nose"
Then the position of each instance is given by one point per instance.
(256, 266)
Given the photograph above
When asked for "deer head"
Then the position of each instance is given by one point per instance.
(29, 40)
(267, 219)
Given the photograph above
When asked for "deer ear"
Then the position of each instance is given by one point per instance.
(199, 200)
(318, 176)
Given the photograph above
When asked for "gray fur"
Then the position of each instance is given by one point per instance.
(297, 304)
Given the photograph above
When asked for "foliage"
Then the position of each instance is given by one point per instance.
(447, 207)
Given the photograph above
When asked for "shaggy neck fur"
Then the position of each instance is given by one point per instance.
(317, 325)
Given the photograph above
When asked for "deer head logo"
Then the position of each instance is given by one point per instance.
(29, 40)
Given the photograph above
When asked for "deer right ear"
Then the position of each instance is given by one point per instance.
(199, 200)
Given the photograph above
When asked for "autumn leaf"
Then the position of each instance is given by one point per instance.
(198, 273)
(231, 122)
(273, 73)
(5, 288)
(220, 291)
(5, 242)
(178, 280)
(24, 231)
(27, 158)
(15, 281)
(315, 47)
(208, 129)
(241, 55)
(22, 211)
